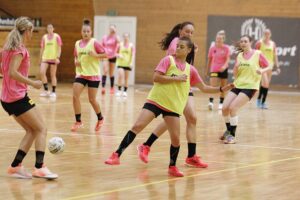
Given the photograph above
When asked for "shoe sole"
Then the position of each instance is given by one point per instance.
(111, 163)
(19, 176)
(46, 177)
(173, 175)
(77, 128)
(193, 166)
(229, 142)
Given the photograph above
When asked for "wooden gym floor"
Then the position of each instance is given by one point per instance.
(264, 164)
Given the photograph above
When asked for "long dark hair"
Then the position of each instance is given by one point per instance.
(166, 41)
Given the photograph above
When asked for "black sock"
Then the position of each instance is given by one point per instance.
(39, 159)
(103, 81)
(192, 149)
(211, 100)
(129, 137)
(232, 130)
(100, 117)
(78, 117)
(46, 86)
(228, 126)
(265, 95)
(112, 81)
(173, 155)
(151, 140)
(53, 89)
(260, 93)
(18, 158)
(119, 88)
(125, 89)
(221, 100)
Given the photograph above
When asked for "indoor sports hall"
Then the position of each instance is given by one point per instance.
(83, 81)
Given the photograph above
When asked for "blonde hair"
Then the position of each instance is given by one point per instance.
(14, 38)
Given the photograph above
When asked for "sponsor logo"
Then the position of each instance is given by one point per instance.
(253, 27)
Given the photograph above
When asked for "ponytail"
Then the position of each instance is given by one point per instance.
(166, 41)
(14, 38)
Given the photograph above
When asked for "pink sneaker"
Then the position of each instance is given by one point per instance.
(174, 171)
(143, 151)
(99, 125)
(195, 161)
(76, 126)
(18, 172)
(112, 90)
(44, 172)
(113, 159)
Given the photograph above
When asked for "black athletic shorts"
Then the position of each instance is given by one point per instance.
(112, 60)
(221, 75)
(91, 84)
(18, 107)
(249, 92)
(157, 111)
(125, 68)
(191, 94)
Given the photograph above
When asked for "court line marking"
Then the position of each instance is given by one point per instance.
(142, 138)
(185, 177)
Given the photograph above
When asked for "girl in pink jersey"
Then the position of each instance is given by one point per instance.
(110, 43)
(218, 59)
(249, 66)
(87, 53)
(153, 108)
(14, 100)
(49, 57)
(169, 43)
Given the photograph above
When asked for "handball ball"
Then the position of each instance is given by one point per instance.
(56, 145)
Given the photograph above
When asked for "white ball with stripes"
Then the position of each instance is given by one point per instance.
(56, 145)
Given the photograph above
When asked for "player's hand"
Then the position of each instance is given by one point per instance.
(258, 71)
(120, 56)
(77, 63)
(227, 87)
(278, 70)
(37, 84)
(222, 69)
(92, 53)
(181, 78)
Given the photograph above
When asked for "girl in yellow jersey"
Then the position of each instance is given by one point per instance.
(172, 79)
(50, 55)
(124, 63)
(88, 53)
(169, 43)
(249, 66)
(268, 49)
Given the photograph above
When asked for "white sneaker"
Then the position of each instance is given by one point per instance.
(220, 106)
(118, 93)
(45, 94)
(53, 94)
(44, 172)
(210, 106)
(124, 94)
